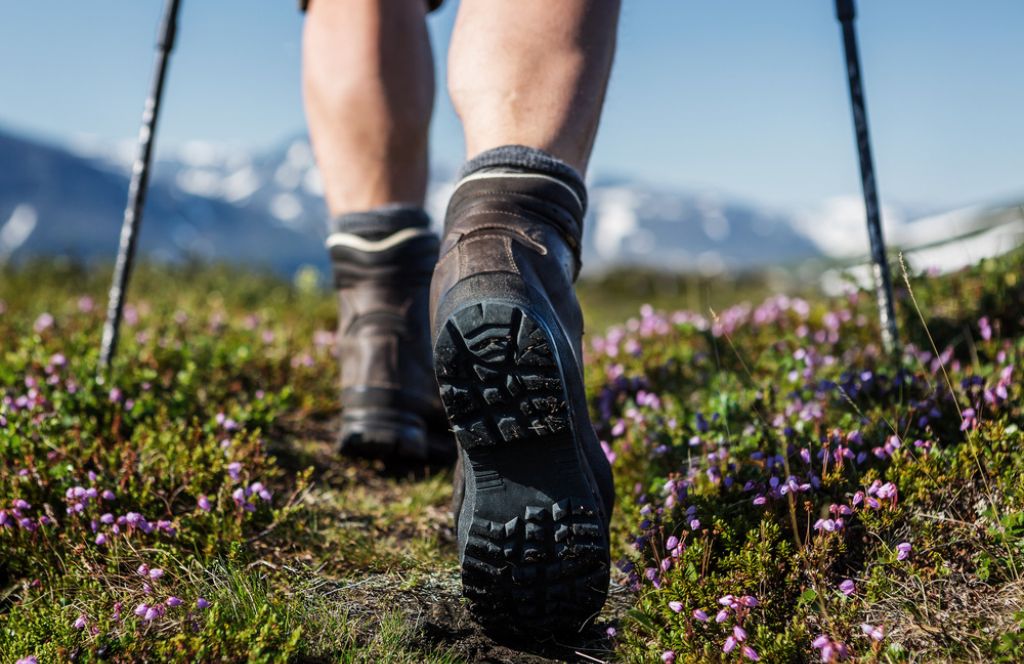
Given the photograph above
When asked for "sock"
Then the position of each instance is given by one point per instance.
(522, 159)
(380, 222)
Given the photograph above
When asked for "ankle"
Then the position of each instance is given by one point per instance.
(522, 190)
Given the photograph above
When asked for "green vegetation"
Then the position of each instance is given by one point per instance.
(771, 463)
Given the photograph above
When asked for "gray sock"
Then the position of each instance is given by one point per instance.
(522, 159)
(380, 222)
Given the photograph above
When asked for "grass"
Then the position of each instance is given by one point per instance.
(772, 464)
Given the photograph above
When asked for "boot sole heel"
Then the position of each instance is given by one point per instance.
(535, 558)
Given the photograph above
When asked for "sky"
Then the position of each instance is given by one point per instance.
(747, 97)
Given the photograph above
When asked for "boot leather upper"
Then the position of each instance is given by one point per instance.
(384, 341)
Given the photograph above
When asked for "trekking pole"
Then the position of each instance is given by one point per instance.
(137, 189)
(846, 12)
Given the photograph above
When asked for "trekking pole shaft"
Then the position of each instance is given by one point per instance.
(137, 188)
(845, 12)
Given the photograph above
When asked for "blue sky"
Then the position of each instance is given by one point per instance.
(744, 96)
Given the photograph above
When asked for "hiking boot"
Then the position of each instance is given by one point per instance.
(388, 392)
(532, 522)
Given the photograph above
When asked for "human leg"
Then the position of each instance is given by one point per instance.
(528, 80)
(368, 83)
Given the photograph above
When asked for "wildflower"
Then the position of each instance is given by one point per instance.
(727, 600)
(31, 659)
(80, 621)
(611, 632)
(820, 642)
(156, 573)
(202, 603)
(985, 328)
(739, 633)
(668, 656)
(152, 613)
(887, 490)
(675, 606)
(43, 323)
(847, 587)
(698, 614)
(759, 499)
(234, 468)
(903, 550)
(749, 601)
(729, 645)
(204, 503)
(750, 653)
(671, 543)
(101, 539)
(173, 601)
(108, 495)
(143, 570)
(694, 524)
(608, 452)
(722, 616)
(141, 609)
(874, 632)
(828, 525)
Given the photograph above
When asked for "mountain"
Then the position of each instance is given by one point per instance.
(55, 202)
(267, 209)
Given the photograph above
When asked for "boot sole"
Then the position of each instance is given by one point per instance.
(535, 555)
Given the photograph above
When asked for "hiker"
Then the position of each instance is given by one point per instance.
(477, 333)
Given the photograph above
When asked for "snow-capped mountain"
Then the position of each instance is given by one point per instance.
(267, 208)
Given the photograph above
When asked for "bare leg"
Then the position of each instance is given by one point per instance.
(533, 73)
(368, 83)
(528, 79)
(369, 87)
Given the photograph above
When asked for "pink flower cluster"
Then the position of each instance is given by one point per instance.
(736, 609)
(18, 516)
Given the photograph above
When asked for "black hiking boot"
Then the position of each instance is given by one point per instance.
(388, 392)
(532, 517)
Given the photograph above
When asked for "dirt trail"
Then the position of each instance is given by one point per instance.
(430, 603)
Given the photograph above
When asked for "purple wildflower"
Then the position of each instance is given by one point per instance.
(874, 632)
